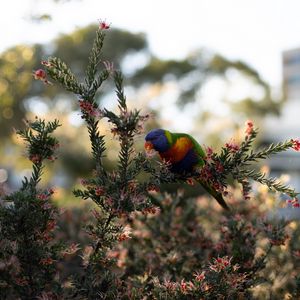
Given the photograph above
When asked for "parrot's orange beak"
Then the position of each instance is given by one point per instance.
(149, 149)
(148, 146)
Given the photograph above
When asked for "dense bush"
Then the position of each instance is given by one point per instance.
(133, 241)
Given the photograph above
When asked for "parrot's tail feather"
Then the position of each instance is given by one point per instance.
(218, 196)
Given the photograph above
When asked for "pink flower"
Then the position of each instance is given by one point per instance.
(232, 147)
(42, 196)
(249, 127)
(219, 167)
(153, 188)
(220, 263)
(296, 253)
(99, 191)
(151, 210)
(186, 286)
(125, 235)
(171, 286)
(46, 261)
(88, 108)
(55, 146)
(87, 252)
(72, 249)
(51, 224)
(46, 63)
(296, 144)
(209, 153)
(295, 203)
(190, 181)
(40, 74)
(103, 25)
(84, 182)
(35, 158)
(199, 276)
(183, 286)
(46, 206)
(21, 281)
(52, 158)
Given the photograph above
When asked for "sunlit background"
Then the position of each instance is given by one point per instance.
(202, 67)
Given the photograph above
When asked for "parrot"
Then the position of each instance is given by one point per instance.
(183, 153)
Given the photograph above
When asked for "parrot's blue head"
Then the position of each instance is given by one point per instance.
(157, 139)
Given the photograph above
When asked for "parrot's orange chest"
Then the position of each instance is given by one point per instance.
(178, 151)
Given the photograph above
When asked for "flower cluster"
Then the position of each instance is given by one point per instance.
(295, 144)
(220, 264)
(89, 109)
(293, 202)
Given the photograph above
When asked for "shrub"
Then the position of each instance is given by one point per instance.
(141, 243)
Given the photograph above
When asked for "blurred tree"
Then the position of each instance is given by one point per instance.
(194, 71)
(18, 90)
(16, 65)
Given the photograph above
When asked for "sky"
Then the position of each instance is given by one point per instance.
(255, 31)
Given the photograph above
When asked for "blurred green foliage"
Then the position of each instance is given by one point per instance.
(17, 86)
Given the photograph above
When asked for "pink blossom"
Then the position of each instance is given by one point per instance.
(125, 235)
(42, 196)
(199, 276)
(190, 181)
(99, 191)
(46, 206)
(52, 158)
(169, 285)
(209, 153)
(35, 158)
(219, 167)
(40, 74)
(88, 108)
(186, 286)
(151, 210)
(46, 261)
(232, 147)
(296, 144)
(87, 252)
(21, 281)
(249, 127)
(220, 263)
(51, 224)
(103, 25)
(72, 249)
(153, 188)
(296, 253)
(46, 63)
(295, 203)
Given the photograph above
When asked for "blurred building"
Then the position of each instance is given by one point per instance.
(287, 125)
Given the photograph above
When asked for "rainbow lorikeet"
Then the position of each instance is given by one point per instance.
(183, 153)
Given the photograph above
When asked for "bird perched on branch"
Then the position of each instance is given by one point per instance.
(183, 153)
